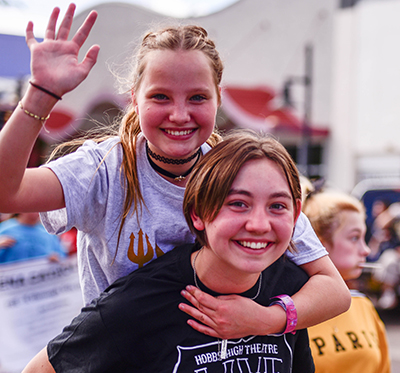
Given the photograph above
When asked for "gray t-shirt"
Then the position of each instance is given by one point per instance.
(94, 196)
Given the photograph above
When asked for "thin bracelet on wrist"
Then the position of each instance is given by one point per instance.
(286, 302)
(45, 91)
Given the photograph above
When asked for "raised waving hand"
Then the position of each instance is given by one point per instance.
(54, 62)
(56, 70)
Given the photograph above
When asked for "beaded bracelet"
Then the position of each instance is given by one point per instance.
(287, 304)
(34, 116)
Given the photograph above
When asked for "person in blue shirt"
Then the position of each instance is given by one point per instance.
(24, 237)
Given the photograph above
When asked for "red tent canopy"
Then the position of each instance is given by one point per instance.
(255, 108)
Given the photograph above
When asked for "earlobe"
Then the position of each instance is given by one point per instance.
(134, 102)
(197, 222)
(219, 96)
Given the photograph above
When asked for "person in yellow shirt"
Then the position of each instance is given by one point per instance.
(356, 340)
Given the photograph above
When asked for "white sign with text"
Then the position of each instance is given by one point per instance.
(37, 299)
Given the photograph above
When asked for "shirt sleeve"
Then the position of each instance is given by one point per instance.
(85, 176)
(85, 346)
(309, 247)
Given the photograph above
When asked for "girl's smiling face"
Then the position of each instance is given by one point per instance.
(348, 250)
(251, 231)
(177, 101)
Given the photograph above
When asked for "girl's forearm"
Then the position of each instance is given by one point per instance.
(324, 296)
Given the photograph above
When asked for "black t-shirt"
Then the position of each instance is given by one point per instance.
(136, 326)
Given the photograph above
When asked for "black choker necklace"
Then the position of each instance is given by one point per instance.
(169, 160)
(169, 174)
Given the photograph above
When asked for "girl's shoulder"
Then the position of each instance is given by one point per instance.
(102, 146)
(103, 151)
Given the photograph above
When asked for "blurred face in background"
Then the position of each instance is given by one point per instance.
(349, 250)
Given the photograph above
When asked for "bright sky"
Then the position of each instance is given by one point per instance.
(15, 16)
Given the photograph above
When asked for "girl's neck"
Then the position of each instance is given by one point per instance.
(221, 280)
(175, 170)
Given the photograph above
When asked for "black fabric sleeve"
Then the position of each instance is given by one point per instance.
(85, 346)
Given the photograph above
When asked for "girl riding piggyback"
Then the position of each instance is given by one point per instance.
(124, 191)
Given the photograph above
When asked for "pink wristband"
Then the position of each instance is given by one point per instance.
(291, 313)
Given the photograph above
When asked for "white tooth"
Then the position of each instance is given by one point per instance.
(178, 133)
(254, 245)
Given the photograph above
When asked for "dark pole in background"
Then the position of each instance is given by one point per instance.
(306, 80)
(305, 140)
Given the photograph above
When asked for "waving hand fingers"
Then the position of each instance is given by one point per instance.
(65, 27)
(54, 62)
